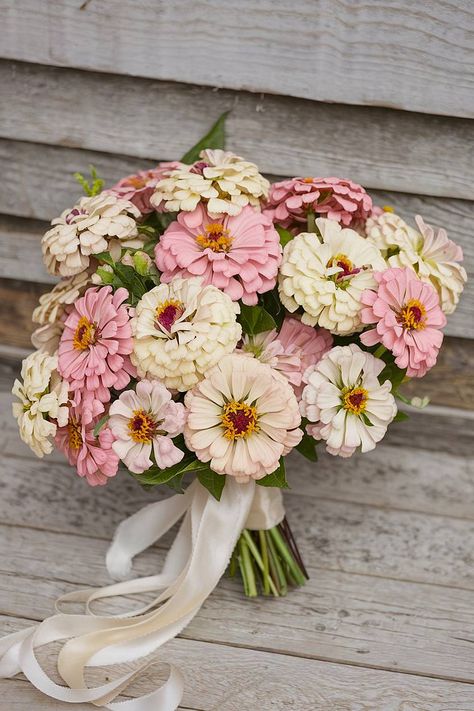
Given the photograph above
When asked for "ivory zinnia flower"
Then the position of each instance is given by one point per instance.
(242, 418)
(92, 456)
(407, 319)
(347, 403)
(226, 182)
(291, 350)
(338, 199)
(326, 278)
(92, 226)
(240, 255)
(182, 329)
(145, 419)
(43, 402)
(433, 257)
(95, 347)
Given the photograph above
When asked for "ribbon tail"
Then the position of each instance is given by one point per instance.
(195, 563)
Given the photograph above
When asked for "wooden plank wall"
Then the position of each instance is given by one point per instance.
(381, 92)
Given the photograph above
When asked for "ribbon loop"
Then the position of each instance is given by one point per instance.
(189, 575)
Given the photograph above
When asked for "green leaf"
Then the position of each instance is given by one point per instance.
(103, 420)
(276, 478)
(212, 481)
(307, 447)
(130, 279)
(155, 475)
(285, 235)
(215, 138)
(105, 257)
(106, 276)
(393, 373)
(255, 319)
(401, 416)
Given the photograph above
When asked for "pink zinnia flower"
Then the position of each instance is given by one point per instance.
(144, 419)
(291, 350)
(238, 254)
(338, 199)
(139, 187)
(93, 456)
(407, 319)
(93, 354)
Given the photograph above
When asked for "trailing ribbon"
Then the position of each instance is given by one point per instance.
(194, 565)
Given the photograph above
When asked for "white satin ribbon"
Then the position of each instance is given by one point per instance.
(194, 565)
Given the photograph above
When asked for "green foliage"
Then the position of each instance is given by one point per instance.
(172, 476)
(215, 138)
(285, 235)
(91, 187)
(101, 423)
(213, 482)
(276, 478)
(401, 416)
(123, 275)
(307, 447)
(255, 319)
(271, 303)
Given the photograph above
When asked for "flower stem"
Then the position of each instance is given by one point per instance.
(246, 567)
(380, 351)
(266, 569)
(267, 581)
(311, 221)
(280, 575)
(287, 557)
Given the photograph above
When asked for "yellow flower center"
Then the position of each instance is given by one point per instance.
(412, 315)
(168, 312)
(347, 267)
(216, 238)
(239, 420)
(139, 181)
(142, 427)
(308, 180)
(85, 334)
(355, 400)
(75, 436)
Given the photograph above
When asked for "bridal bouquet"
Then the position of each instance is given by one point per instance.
(205, 324)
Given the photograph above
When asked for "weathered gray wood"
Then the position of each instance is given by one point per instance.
(399, 55)
(231, 679)
(337, 616)
(379, 148)
(40, 178)
(20, 250)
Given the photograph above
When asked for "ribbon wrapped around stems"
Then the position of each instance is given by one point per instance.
(194, 565)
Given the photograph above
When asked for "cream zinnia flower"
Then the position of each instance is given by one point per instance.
(225, 181)
(242, 418)
(182, 329)
(433, 257)
(94, 225)
(326, 278)
(345, 399)
(43, 397)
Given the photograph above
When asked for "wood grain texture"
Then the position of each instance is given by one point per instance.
(337, 616)
(393, 54)
(248, 679)
(379, 148)
(40, 177)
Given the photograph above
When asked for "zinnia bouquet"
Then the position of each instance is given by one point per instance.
(206, 323)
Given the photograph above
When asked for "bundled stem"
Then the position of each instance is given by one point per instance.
(269, 561)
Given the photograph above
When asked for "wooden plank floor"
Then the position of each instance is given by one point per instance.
(385, 623)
